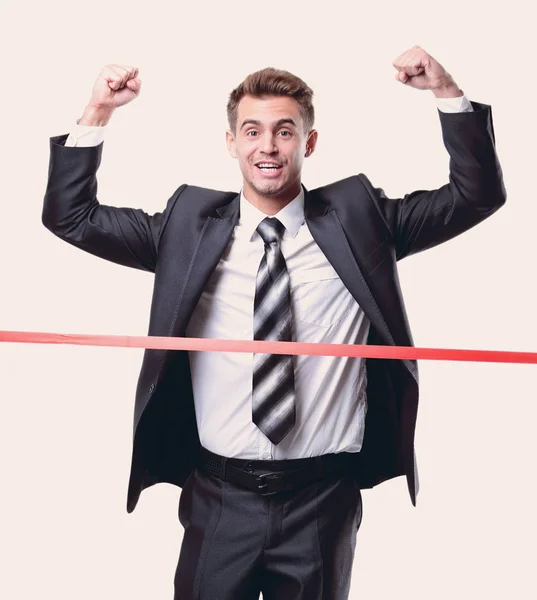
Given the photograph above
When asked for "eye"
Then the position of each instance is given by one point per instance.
(251, 131)
(285, 131)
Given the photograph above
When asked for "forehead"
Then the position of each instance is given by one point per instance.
(268, 109)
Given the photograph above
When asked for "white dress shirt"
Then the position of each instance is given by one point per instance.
(331, 401)
(330, 391)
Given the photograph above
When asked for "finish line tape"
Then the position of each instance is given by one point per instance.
(295, 348)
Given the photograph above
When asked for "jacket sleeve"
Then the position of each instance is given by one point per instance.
(71, 211)
(426, 218)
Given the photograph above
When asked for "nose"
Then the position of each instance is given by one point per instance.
(268, 145)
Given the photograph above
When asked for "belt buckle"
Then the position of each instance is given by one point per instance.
(263, 485)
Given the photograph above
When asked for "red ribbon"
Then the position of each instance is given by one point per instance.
(297, 348)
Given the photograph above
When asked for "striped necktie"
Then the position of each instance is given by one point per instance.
(273, 392)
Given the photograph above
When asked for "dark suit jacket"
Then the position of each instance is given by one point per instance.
(362, 233)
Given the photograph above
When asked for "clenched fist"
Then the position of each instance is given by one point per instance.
(420, 70)
(115, 86)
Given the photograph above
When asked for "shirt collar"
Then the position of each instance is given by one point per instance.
(291, 215)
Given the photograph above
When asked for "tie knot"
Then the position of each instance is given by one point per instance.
(271, 230)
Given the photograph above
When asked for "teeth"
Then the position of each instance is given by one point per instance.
(268, 166)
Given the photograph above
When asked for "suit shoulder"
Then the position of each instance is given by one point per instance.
(201, 199)
(344, 189)
(203, 194)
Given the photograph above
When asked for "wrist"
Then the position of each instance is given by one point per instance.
(95, 116)
(448, 90)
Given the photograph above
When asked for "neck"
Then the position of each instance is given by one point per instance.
(270, 205)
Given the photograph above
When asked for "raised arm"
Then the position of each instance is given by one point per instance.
(426, 218)
(71, 210)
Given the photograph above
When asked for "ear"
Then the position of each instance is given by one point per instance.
(311, 142)
(230, 141)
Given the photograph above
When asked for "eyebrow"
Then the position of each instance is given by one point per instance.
(278, 123)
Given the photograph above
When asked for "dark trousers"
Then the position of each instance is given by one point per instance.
(293, 545)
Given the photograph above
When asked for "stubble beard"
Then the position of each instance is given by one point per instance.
(269, 190)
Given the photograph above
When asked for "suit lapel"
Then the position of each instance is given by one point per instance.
(327, 231)
(325, 228)
(213, 240)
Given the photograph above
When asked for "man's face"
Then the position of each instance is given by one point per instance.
(270, 144)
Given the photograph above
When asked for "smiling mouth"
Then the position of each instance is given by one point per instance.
(269, 168)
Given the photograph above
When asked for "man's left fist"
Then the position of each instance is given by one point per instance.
(420, 70)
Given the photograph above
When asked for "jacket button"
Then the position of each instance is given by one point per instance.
(248, 467)
(151, 388)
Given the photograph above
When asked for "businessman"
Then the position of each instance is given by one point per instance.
(271, 451)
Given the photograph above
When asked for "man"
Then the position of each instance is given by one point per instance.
(271, 451)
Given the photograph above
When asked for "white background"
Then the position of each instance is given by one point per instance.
(65, 430)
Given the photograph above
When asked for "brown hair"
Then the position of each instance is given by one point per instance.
(272, 82)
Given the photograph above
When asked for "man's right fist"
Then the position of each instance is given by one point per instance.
(116, 85)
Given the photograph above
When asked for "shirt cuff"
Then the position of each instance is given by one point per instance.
(83, 136)
(454, 105)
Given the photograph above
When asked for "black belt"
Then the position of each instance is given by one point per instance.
(272, 476)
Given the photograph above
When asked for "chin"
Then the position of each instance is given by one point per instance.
(268, 188)
(273, 190)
